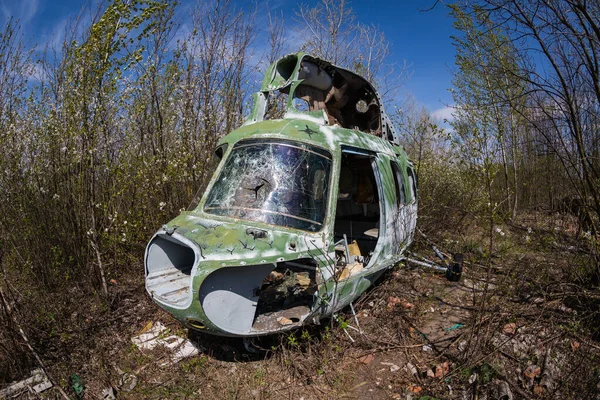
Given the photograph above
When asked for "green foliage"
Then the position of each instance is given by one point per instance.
(259, 377)
(292, 340)
(115, 136)
(447, 191)
(343, 323)
(194, 365)
(486, 373)
(486, 86)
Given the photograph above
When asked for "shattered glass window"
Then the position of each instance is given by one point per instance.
(399, 180)
(412, 181)
(277, 182)
(276, 105)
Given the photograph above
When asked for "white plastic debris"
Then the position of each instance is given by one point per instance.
(412, 369)
(128, 382)
(109, 393)
(473, 378)
(38, 382)
(157, 335)
(393, 367)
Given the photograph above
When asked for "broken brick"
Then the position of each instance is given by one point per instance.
(366, 359)
(510, 329)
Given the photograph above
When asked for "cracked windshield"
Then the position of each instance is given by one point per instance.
(277, 182)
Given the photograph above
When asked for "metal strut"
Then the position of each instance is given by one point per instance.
(453, 270)
(357, 328)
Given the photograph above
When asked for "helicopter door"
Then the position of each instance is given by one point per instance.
(358, 211)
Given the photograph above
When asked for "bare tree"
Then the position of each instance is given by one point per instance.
(276, 37)
(331, 31)
(565, 88)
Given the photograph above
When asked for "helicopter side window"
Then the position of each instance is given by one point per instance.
(412, 184)
(276, 105)
(399, 181)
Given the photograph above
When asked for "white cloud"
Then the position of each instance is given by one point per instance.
(55, 38)
(23, 10)
(444, 114)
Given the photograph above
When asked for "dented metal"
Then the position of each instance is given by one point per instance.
(312, 201)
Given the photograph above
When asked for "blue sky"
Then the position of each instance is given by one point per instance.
(421, 39)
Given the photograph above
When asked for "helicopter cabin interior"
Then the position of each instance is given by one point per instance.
(347, 99)
(358, 213)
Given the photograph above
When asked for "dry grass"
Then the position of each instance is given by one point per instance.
(527, 316)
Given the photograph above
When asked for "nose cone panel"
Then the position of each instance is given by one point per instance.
(229, 296)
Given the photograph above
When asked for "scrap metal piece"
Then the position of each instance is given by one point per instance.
(453, 272)
(158, 335)
(38, 382)
(128, 382)
(109, 393)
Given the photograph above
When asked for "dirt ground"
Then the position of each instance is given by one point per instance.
(510, 329)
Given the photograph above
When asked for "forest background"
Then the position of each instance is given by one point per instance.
(115, 134)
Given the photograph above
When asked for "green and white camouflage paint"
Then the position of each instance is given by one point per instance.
(273, 205)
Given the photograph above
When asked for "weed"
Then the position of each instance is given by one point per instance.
(259, 377)
(194, 365)
(465, 372)
(292, 340)
(343, 323)
(305, 335)
(486, 372)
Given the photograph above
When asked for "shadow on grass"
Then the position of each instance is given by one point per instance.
(231, 349)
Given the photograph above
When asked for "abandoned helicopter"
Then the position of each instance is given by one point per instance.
(312, 200)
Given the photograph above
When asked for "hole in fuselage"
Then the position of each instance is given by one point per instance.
(169, 263)
(286, 295)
